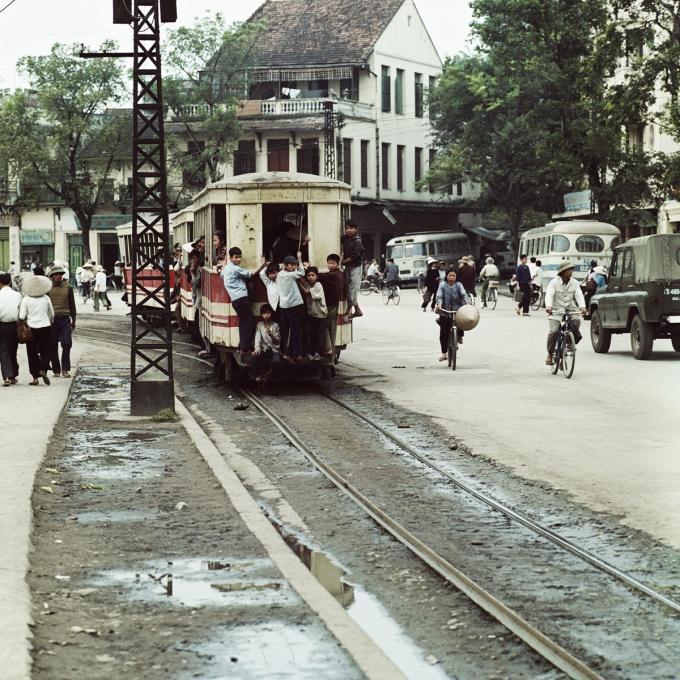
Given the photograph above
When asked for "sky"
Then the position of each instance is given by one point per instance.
(30, 27)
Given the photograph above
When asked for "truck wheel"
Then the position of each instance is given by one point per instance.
(641, 338)
(675, 339)
(600, 337)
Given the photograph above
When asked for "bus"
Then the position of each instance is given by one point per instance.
(578, 241)
(411, 251)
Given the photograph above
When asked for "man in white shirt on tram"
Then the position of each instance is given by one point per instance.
(562, 295)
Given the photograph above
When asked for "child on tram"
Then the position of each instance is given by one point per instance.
(318, 312)
(292, 307)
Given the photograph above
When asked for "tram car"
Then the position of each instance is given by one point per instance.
(268, 215)
(152, 277)
(182, 227)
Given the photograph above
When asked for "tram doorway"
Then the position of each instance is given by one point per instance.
(284, 226)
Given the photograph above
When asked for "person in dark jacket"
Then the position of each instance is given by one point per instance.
(64, 304)
(352, 259)
(466, 275)
(432, 281)
(523, 275)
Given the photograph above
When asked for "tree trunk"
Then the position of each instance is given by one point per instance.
(85, 224)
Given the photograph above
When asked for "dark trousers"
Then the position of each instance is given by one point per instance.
(246, 324)
(444, 330)
(39, 350)
(61, 335)
(8, 350)
(292, 323)
(526, 297)
(429, 295)
(318, 329)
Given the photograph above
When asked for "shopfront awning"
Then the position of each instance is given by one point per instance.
(487, 234)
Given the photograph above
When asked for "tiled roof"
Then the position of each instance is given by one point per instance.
(319, 32)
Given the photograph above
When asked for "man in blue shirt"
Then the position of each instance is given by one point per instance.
(523, 275)
(234, 277)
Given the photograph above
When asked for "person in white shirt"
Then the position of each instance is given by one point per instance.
(537, 279)
(9, 315)
(86, 280)
(37, 311)
(268, 277)
(488, 273)
(562, 295)
(100, 289)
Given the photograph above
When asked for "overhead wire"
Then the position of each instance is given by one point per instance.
(7, 6)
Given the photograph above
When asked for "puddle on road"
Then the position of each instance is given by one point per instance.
(203, 582)
(116, 454)
(274, 649)
(96, 393)
(364, 609)
(118, 516)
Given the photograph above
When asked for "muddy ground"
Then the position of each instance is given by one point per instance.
(142, 569)
(429, 629)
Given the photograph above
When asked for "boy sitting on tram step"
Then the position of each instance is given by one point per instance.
(292, 308)
(267, 340)
(235, 277)
(333, 282)
(318, 312)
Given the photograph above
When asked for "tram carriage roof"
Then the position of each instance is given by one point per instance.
(281, 181)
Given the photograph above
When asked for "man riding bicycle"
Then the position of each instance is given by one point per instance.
(391, 274)
(563, 295)
(489, 273)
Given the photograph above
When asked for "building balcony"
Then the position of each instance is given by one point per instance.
(255, 108)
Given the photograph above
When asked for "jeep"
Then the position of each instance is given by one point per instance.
(642, 295)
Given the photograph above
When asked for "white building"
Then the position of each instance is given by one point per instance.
(375, 62)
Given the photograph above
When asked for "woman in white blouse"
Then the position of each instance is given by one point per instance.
(37, 311)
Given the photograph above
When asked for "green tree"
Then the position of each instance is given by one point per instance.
(204, 82)
(57, 138)
(544, 106)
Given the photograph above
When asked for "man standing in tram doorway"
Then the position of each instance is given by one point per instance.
(64, 303)
(352, 258)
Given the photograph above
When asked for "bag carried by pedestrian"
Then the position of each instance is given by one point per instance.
(24, 333)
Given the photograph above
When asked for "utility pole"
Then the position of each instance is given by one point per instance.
(329, 138)
(151, 366)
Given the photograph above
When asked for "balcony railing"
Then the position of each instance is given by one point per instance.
(302, 107)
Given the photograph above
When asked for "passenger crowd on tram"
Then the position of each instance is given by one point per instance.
(299, 321)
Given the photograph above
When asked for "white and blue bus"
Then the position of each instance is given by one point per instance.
(411, 251)
(578, 241)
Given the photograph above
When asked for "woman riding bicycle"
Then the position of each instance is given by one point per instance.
(563, 295)
(451, 296)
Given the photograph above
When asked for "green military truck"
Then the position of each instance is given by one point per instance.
(642, 296)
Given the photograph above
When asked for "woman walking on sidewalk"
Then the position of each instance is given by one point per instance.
(37, 311)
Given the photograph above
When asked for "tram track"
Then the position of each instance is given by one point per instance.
(547, 647)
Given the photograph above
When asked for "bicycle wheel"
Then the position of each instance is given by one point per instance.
(365, 287)
(537, 300)
(453, 347)
(396, 295)
(385, 291)
(568, 354)
(491, 298)
(557, 356)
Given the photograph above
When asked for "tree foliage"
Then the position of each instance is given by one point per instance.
(205, 80)
(535, 112)
(57, 138)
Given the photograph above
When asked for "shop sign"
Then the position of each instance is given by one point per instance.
(36, 237)
(579, 201)
(102, 222)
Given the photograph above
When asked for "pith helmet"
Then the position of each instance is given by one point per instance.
(564, 265)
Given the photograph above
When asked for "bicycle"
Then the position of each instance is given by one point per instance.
(491, 299)
(366, 287)
(391, 292)
(564, 354)
(537, 297)
(452, 347)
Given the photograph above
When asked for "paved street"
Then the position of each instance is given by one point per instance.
(609, 435)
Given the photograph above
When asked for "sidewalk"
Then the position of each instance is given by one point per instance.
(29, 415)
